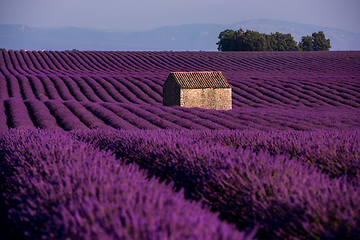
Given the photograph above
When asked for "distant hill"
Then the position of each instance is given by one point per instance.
(192, 37)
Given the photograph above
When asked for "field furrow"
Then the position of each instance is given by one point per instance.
(25, 86)
(17, 113)
(88, 92)
(64, 117)
(283, 162)
(4, 93)
(3, 117)
(38, 88)
(86, 116)
(108, 116)
(41, 115)
(129, 85)
(128, 115)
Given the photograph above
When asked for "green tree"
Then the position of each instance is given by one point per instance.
(254, 41)
(272, 44)
(281, 42)
(289, 43)
(319, 42)
(315, 42)
(306, 43)
(230, 40)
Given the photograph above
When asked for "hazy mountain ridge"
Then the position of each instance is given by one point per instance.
(192, 37)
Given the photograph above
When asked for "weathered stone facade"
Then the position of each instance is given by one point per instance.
(208, 90)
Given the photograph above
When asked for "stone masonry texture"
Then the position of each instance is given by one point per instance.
(208, 90)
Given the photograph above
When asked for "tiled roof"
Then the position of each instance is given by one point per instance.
(200, 79)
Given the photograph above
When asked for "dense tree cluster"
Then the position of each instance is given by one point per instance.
(232, 40)
(315, 42)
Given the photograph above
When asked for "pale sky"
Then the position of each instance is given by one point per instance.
(150, 14)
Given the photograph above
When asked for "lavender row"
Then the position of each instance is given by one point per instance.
(152, 82)
(50, 88)
(38, 88)
(335, 152)
(86, 61)
(9, 69)
(3, 117)
(58, 61)
(63, 90)
(109, 89)
(125, 95)
(341, 63)
(17, 114)
(253, 91)
(291, 195)
(86, 89)
(42, 61)
(40, 114)
(129, 116)
(72, 62)
(27, 63)
(333, 99)
(74, 88)
(294, 93)
(136, 91)
(100, 61)
(145, 86)
(53, 192)
(22, 63)
(64, 117)
(86, 116)
(147, 116)
(25, 86)
(108, 116)
(171, 117)
(301, 118)
(191, 116)
(171, 61)
(13, 86)
(15, 63)
(98, 90)
(154, 119)
(215, 116)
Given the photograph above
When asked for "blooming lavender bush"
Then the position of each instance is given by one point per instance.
(85, 116)
(58, 188)
(107, 116)
(3, 87)
(74, 89)
(38, 88)
(86, 89)
(65, 118)
(285, 159)
(18, 113)
(128, 116)
(269, 90)
(50, 89)
(251, 178)
(41, 114)
(61, 87)
(3, 119)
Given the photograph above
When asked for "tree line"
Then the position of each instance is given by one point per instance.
(232, 40)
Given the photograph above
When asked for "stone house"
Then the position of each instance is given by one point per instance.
(197, 89)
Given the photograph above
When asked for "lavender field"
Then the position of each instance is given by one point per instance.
(88, 151)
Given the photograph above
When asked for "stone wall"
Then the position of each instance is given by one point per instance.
(209, 98)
